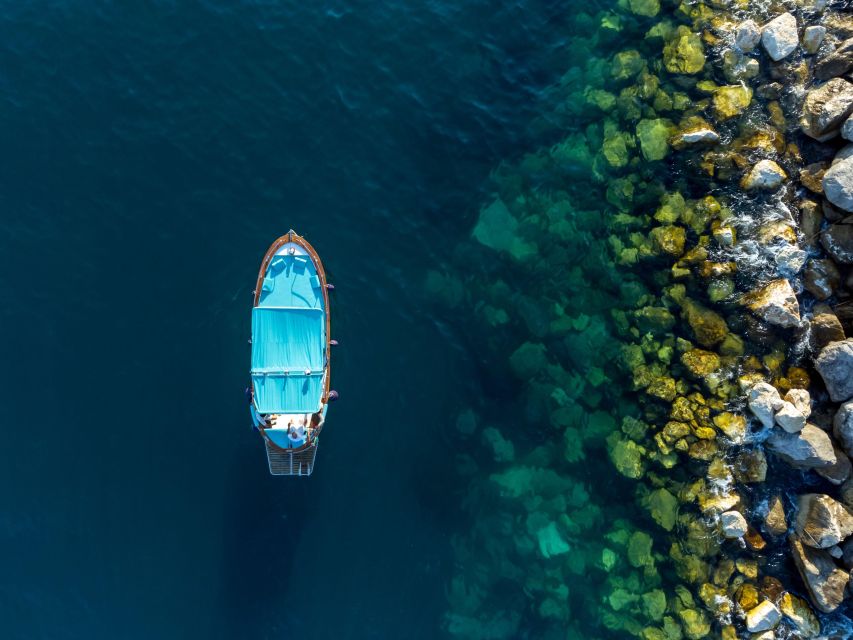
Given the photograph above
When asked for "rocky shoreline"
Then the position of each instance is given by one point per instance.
(805, 60)
(700, 335)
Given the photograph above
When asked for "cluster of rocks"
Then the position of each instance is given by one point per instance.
(675, 335)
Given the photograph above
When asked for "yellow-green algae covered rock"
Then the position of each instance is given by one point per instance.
(684, 53)
(695, 623)
(731, 101)
(640, 550)
(732, 425)
(699, 362)
(800, 615)
(668, 239)
(708, 327)
(627, 64)
(654, 135)
(626, 455)
(663, 507)
(646, 8)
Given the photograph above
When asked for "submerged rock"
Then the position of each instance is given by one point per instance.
(825, 582)
(798, 612)
(826, 108)
(654, 137)
(838, 189)
(700, 363)
(810, 448)
(747, 36)
(731, 101)
(789, 260)
(646, 8)
(550, 542)
(775, 521)
(733, 524)
(668, 239)
(835, 366)
(775, 303)
(528, 360)
(821, 521)
(732, 425)
(684, 54)
(765, 175)
(779, 36)
(821, 278)
(708, 326)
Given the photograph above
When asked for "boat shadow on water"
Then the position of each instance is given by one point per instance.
(262, 533)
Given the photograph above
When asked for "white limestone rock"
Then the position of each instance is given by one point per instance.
(763, 617)
(790, 418)
(838, 184)
(813, 37)
(779, 36)
(733, 524)
(747, 36)
(764, 401)
(801, 399)
(765, 175)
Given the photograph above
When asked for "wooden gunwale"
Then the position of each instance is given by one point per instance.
(292, 236)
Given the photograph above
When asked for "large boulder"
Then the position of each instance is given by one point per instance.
(764, 401)
(825, 582)
(836, 63)
(775, 303)
(842, 426)
(821, 521)
(838, 189)
(779, 36)
(810, 448)
(826, 108)
(835, 366)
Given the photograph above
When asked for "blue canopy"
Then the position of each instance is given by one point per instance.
(289, 338)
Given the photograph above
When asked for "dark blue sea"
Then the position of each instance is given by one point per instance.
(149, 154)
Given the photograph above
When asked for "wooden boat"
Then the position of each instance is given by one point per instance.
(291, 349)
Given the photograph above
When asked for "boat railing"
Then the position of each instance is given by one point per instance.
(291, 462)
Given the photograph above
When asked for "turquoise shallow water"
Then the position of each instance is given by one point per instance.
(150, 155)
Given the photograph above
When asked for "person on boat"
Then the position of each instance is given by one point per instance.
(296, 435)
